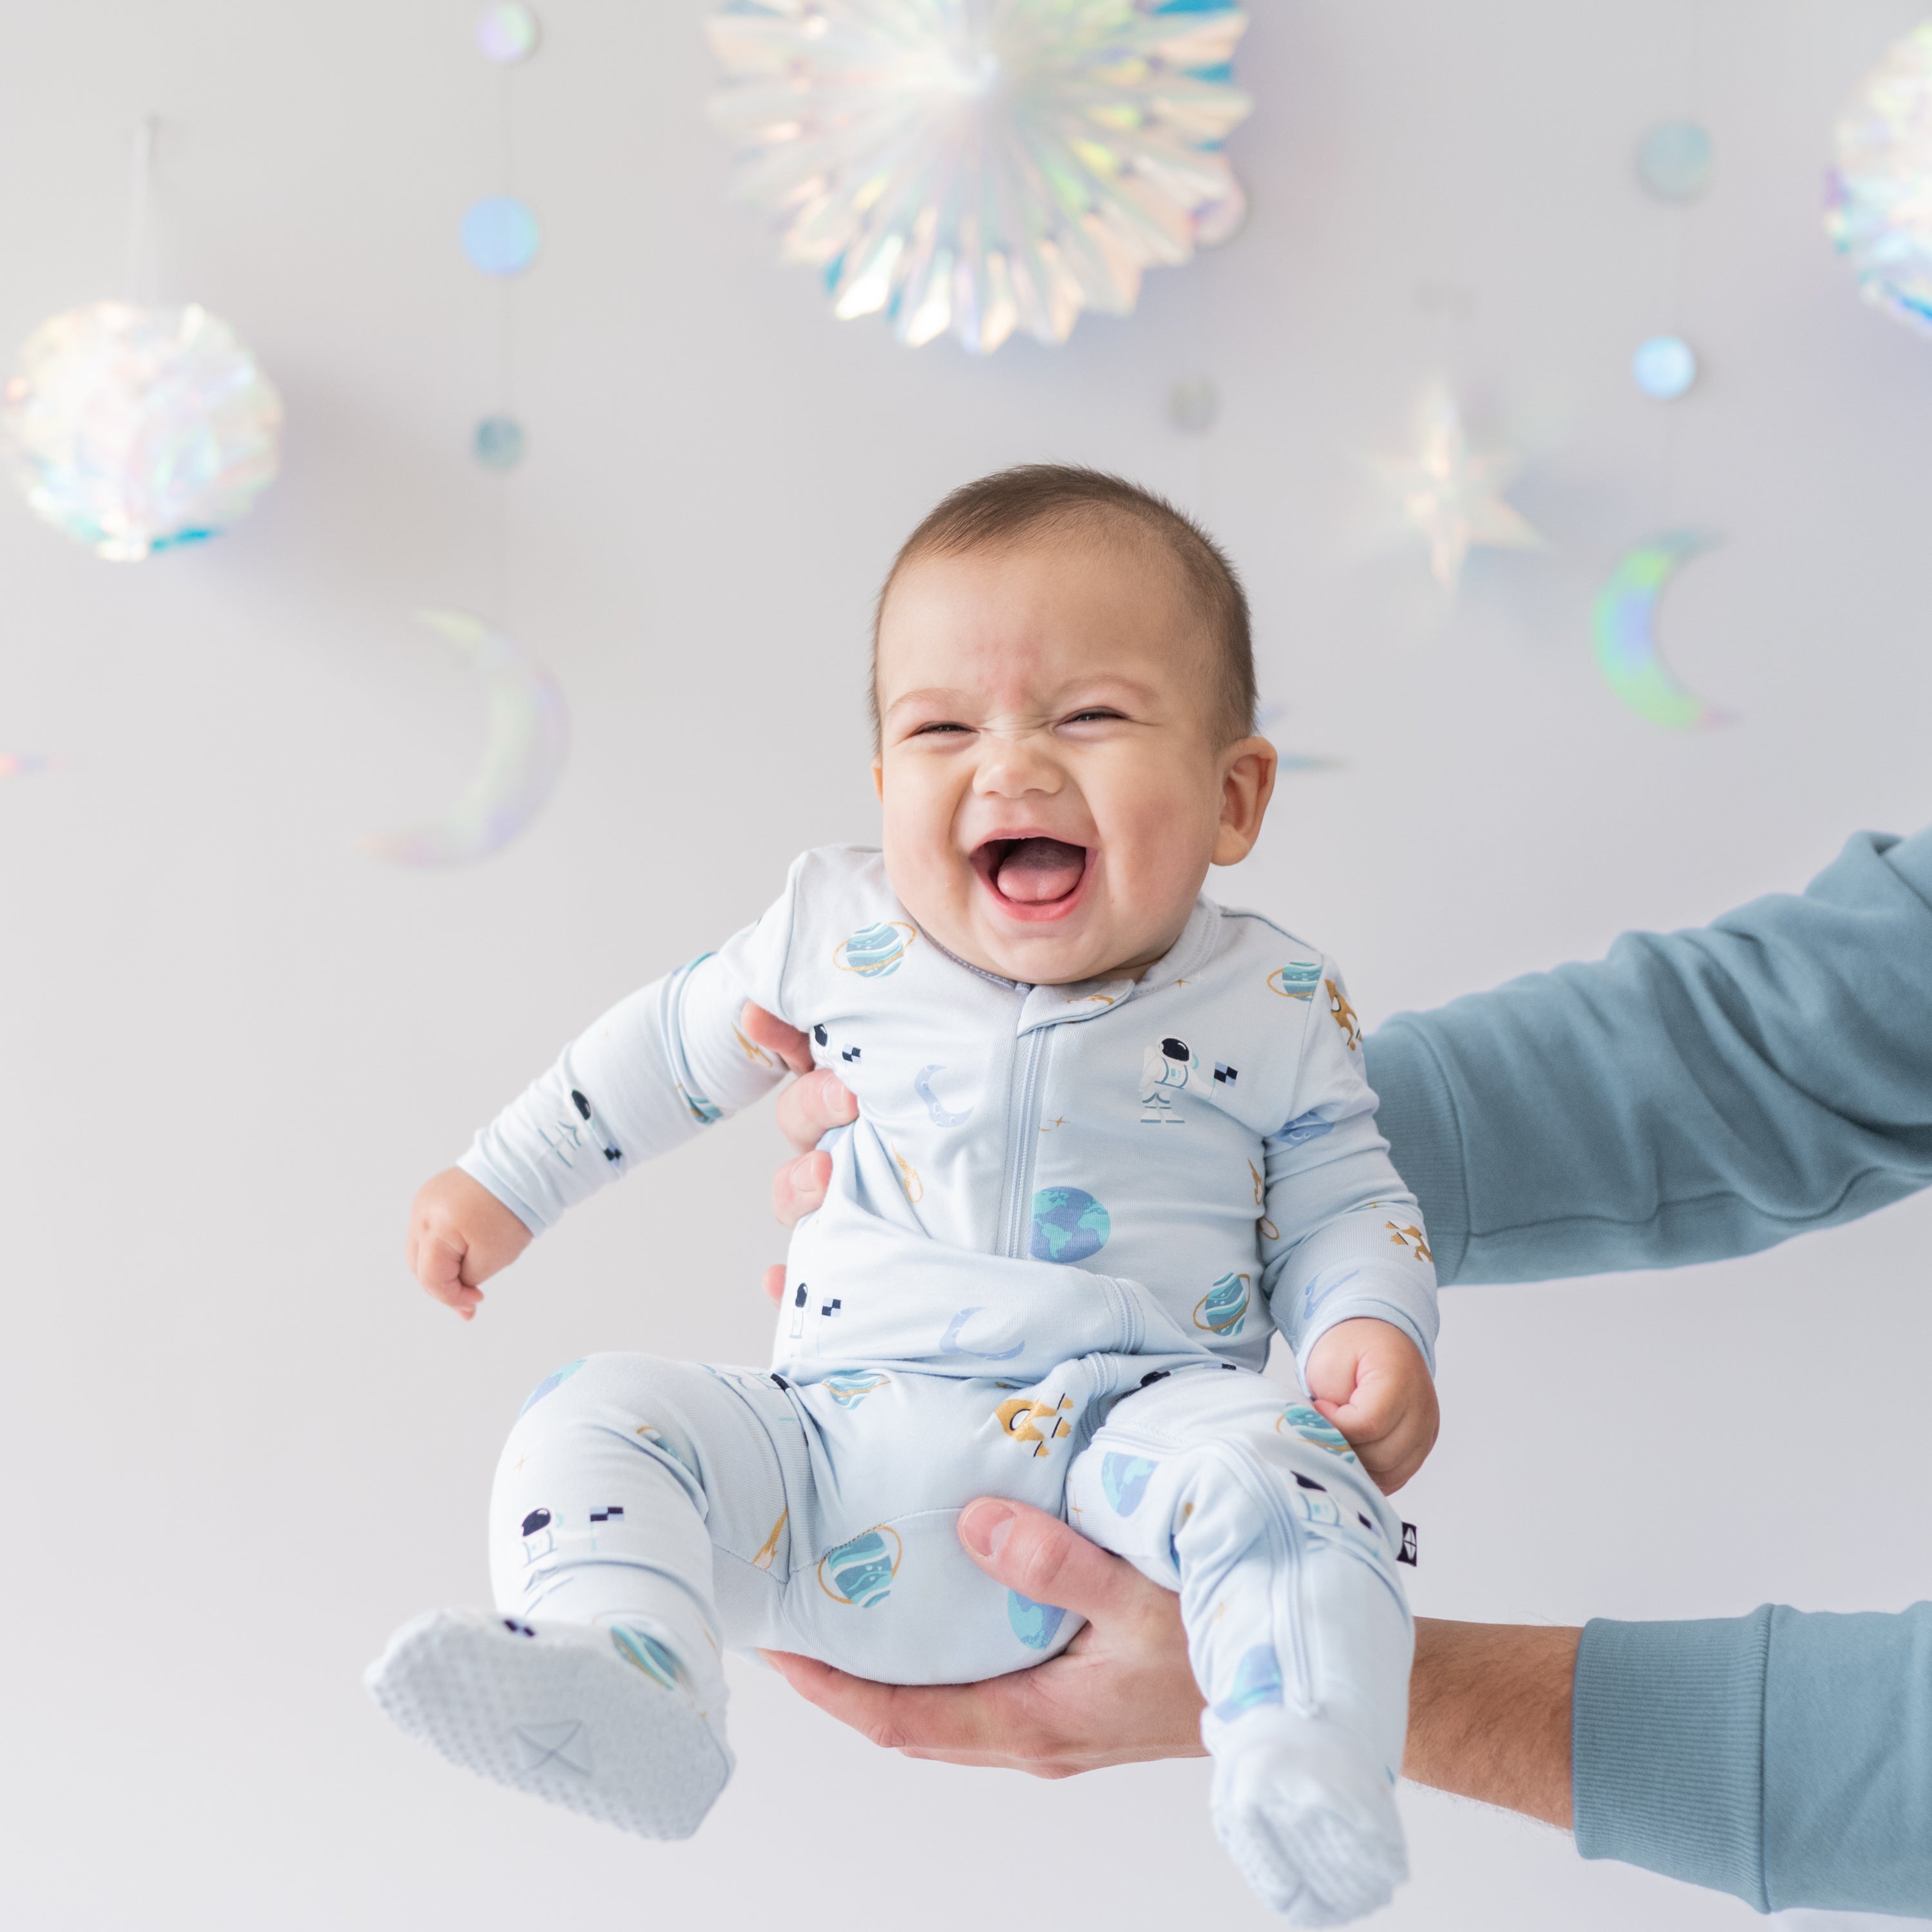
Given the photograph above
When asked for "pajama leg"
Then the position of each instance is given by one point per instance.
(1230, 1489)
(599, 1684)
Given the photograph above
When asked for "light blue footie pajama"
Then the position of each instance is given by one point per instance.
(1057, 1241)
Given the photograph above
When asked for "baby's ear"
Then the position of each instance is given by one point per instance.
(879, 779)
(1248, 768)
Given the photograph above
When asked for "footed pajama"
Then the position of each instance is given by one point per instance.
(1057, 1242)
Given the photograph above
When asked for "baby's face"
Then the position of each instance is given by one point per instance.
(1055, 791)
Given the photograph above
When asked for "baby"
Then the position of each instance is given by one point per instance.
(1111, 1136)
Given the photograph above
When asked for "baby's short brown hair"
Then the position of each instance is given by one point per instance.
(1012, 504)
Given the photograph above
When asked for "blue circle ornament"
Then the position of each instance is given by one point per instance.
(501, 234)
(498, 442)
(1665, 368)
(976, 169)
(1676, 160)
(1069, 1225)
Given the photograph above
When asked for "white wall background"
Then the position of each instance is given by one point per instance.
(239, 1445)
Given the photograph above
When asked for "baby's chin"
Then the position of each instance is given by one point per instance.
(1090, 945)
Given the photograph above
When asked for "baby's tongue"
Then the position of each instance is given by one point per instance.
(1039, 869)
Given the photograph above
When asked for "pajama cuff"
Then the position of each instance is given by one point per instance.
(1667, 1739)
(477, 1166)
(1395, 1313)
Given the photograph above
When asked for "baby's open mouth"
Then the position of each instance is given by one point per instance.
(1031, 871)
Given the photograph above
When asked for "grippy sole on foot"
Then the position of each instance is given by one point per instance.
(1316, 1844)
(565, 1719)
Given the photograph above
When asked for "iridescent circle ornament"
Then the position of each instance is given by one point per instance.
(1879, 200)
(982, 166)
(138, 429)
(506, 34)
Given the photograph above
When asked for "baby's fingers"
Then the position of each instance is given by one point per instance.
(439, 1267)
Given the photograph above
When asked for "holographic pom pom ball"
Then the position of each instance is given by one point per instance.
(984, 165)
(1879, 202)
(136, 430)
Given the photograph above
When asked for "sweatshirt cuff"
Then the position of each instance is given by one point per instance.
(1668, 1743)
(1416, 1113)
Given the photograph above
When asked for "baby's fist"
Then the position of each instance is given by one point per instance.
(460, 1235)
(1370, 1380)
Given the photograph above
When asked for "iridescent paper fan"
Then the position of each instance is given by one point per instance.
(134, 430)
(1879, 204)
(984, 165)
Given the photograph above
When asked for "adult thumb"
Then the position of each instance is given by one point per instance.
(1040, 1557)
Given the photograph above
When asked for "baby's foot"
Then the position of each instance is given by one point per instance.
(1309, 1821)
(602, 1719)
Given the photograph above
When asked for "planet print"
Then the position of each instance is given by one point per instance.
(1304, 1127)
(1223, 1309)
(1124, 1481)
(1257, 1682)
(862, 1570)
(639, 1647)
(850, 1387)
(875, 951)
(549, 1382)
(1069, 1225)
(1033, 1624)
(1297, 980)
(1311, 1425)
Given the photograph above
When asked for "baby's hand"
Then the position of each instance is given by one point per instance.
(460, 1235)
(1370, 1380)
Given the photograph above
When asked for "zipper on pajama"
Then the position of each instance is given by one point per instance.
(1022, 1133)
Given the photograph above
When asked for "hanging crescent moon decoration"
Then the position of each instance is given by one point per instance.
(529, 732)
(1625, 626)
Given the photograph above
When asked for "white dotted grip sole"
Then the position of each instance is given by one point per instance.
(1318, 1842)
(561, 1716)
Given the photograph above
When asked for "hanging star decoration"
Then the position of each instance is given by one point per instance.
(1452, 496)
(982, 166)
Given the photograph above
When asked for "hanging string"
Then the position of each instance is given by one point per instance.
(143, 271)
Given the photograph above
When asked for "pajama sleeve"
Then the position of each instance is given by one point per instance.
(652, 1073)
(1342, 1236)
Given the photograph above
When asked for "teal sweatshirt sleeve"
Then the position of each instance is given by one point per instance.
(1783, 1757)
(1694, 1095)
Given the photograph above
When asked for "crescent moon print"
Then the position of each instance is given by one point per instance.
(528, 734)
(922, 1085)
(1625, 624)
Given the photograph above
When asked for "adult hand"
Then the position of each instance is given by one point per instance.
(1121, 1693)
(1489, 1704)
(808, 1109)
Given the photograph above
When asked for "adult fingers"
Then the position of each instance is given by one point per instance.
(775, 1281)
(766, 1030)
(1040, 1556)
(798, 1189)
(812, 1106)
(949, 1720)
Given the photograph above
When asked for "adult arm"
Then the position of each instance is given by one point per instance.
(1692, 1096)
(1784, 1757)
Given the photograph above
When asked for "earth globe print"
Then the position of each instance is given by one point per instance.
(1068, 1224)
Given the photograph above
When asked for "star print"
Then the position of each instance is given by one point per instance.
(1453, 496)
